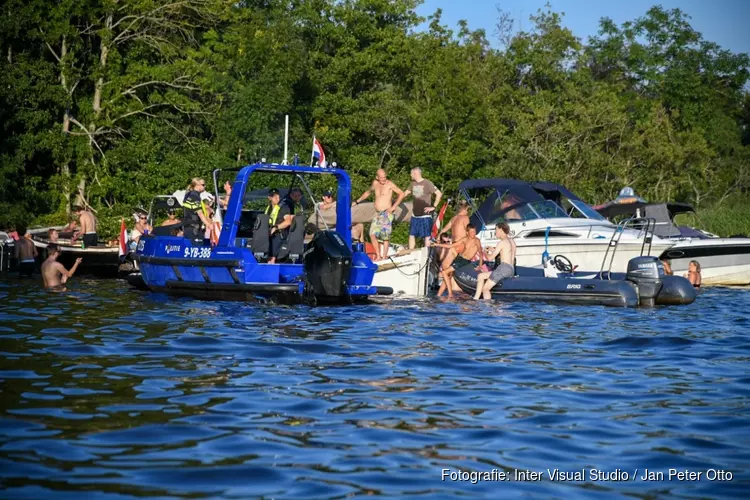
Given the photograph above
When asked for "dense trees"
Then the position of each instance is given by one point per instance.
(107, 102)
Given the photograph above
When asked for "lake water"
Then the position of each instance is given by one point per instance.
(120, 394)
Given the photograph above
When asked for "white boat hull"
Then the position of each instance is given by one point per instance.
(406, 274)
(723, 261)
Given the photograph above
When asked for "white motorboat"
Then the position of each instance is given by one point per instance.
(547, 218)
(723, 261)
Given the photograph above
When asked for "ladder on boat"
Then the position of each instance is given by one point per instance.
(646, 225)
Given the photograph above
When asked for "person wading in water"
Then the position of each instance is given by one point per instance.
(54, 274)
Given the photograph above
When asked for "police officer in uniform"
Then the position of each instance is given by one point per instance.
(194, 221)
(279, 220)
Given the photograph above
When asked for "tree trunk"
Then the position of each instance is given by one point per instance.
(104, 48)
(65, 168)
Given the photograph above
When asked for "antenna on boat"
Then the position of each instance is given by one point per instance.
(286, 140)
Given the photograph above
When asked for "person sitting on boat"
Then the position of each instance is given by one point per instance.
(462, 252)
(506, 249)
(53, 235)
(512, 207)
(421, 217)
(279, 221)
(177, 232)
(54, 274)
(382, 223)
(26, 253)
(141, 226)
(694, 273)
(327, 210)
(292, 201)
(171, 218)
(444, 240)
(194, 220)
(88, 226)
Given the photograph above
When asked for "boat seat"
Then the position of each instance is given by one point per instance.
(294, 245)
(247, 223)
(261, 241)
(165, 230)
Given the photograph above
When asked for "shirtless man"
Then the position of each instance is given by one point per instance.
(463, 252)
(457, 225)
(506, 247)
(382, 223)
(55, 275)
(171, 218)
(25, 253)
(88, 227)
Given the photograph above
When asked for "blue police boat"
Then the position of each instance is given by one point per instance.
(325, 270)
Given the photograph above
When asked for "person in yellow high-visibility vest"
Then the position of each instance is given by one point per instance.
(280, 218)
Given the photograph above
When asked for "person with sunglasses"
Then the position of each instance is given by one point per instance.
(194, 220)
(171, 218)
(141, 226)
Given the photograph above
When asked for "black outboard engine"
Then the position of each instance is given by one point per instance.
(328, 261)
(647, 273)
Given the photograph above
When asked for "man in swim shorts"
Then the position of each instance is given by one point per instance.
(382, 222)
(506, 248)
(462, 253)
(421, 217)
(88, 227)
(26, 253)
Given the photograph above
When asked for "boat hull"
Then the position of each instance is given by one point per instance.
(587, 255)
(406, 274)
(101, 261)
(724, 261)
(530, 286)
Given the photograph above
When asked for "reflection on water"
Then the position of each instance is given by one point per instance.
(119, 394)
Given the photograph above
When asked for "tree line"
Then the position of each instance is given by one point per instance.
(105, 103)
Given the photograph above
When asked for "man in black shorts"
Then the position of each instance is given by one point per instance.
(26, 253)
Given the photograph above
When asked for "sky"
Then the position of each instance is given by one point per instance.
(725, 22)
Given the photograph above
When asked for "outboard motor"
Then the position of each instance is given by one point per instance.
(647, 273)
(327, 262)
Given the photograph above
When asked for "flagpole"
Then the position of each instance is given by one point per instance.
(312, 153)
(286, 140)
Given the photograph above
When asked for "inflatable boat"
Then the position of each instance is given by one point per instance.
(325, 270)
(644, 284)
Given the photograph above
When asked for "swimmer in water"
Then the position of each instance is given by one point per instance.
(55, 275)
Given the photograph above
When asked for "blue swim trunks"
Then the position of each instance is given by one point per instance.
(421, 227)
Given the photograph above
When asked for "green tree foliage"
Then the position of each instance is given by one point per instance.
(108, 102)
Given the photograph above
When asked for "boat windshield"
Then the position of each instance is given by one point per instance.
(511, 206)
(580, 210)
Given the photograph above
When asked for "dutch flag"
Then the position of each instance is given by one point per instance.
(318, 153)
(123, 251)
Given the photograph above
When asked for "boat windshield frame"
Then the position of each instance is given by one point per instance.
(587, 210)
(233, 212)
(533, 208)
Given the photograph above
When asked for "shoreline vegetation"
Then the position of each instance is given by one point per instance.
(108, 104)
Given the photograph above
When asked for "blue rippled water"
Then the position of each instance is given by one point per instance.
(111, 393)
